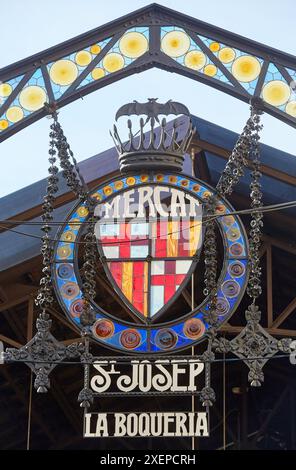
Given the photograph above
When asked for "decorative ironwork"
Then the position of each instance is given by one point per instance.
(254, 288)
(207, 395)
(152, 109)
(45, 294)
(43, 353)
(85, 397)
(88, 315)
(253, 345)
(71, 171)
(236, 163)
(210, 253)
(144, 150)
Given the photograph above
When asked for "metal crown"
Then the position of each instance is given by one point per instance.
(160, 148)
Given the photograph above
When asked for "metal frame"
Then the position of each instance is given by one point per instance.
(153, 16)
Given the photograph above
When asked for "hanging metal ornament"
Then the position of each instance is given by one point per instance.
(210, 253)
(76, 182)
(237, 161)
(253, 344)
(44, 352)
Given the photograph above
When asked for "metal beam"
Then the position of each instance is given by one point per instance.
(233, 330)
(62, 200)
(285, 314)
(200, 163)
(30, 319)
(152, 16)
(72, 340)
(187, 297)
(11, 342)
(285, 245)
(63, 320)
(12, 303)
(224, 153)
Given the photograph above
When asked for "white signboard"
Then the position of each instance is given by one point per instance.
(152, 424)
(144, 376)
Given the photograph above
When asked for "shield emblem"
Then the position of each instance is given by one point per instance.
(149, 262)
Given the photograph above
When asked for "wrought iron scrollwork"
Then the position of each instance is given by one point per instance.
(237, 162)
(210, 252)
(43, 353)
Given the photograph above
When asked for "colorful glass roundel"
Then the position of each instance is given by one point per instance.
(149, 233)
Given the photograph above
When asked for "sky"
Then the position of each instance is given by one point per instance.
(31, 26)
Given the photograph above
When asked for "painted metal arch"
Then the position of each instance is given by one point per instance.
(154, 36)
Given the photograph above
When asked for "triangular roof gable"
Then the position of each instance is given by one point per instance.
(267, 66)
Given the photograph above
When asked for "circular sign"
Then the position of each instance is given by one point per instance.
(149, 254)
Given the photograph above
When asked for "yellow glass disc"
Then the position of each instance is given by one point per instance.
(95, 49)
(228, 220)
(107, 190)
(118, 185)
(130, 181)
(133, 44)
(113, 62)
(175, 43)
(226, 55)
(3, 124)
(206, 194)
(276, 92)
(210, 70)
(5, 89)
(291, 108)
(98, 73)
(195, 60)
(83, 58)
(14, 114)
(75, 224)
(64, 251)
(246, 68)
(82, 211)
(214, 46)
(68, 236)
(63, 72)
(32, 98)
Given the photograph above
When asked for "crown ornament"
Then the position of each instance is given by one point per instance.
(150, 147)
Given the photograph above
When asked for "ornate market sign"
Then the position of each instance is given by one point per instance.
(149, 231)
(147, 228)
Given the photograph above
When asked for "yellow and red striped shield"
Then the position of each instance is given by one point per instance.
(149, 263)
